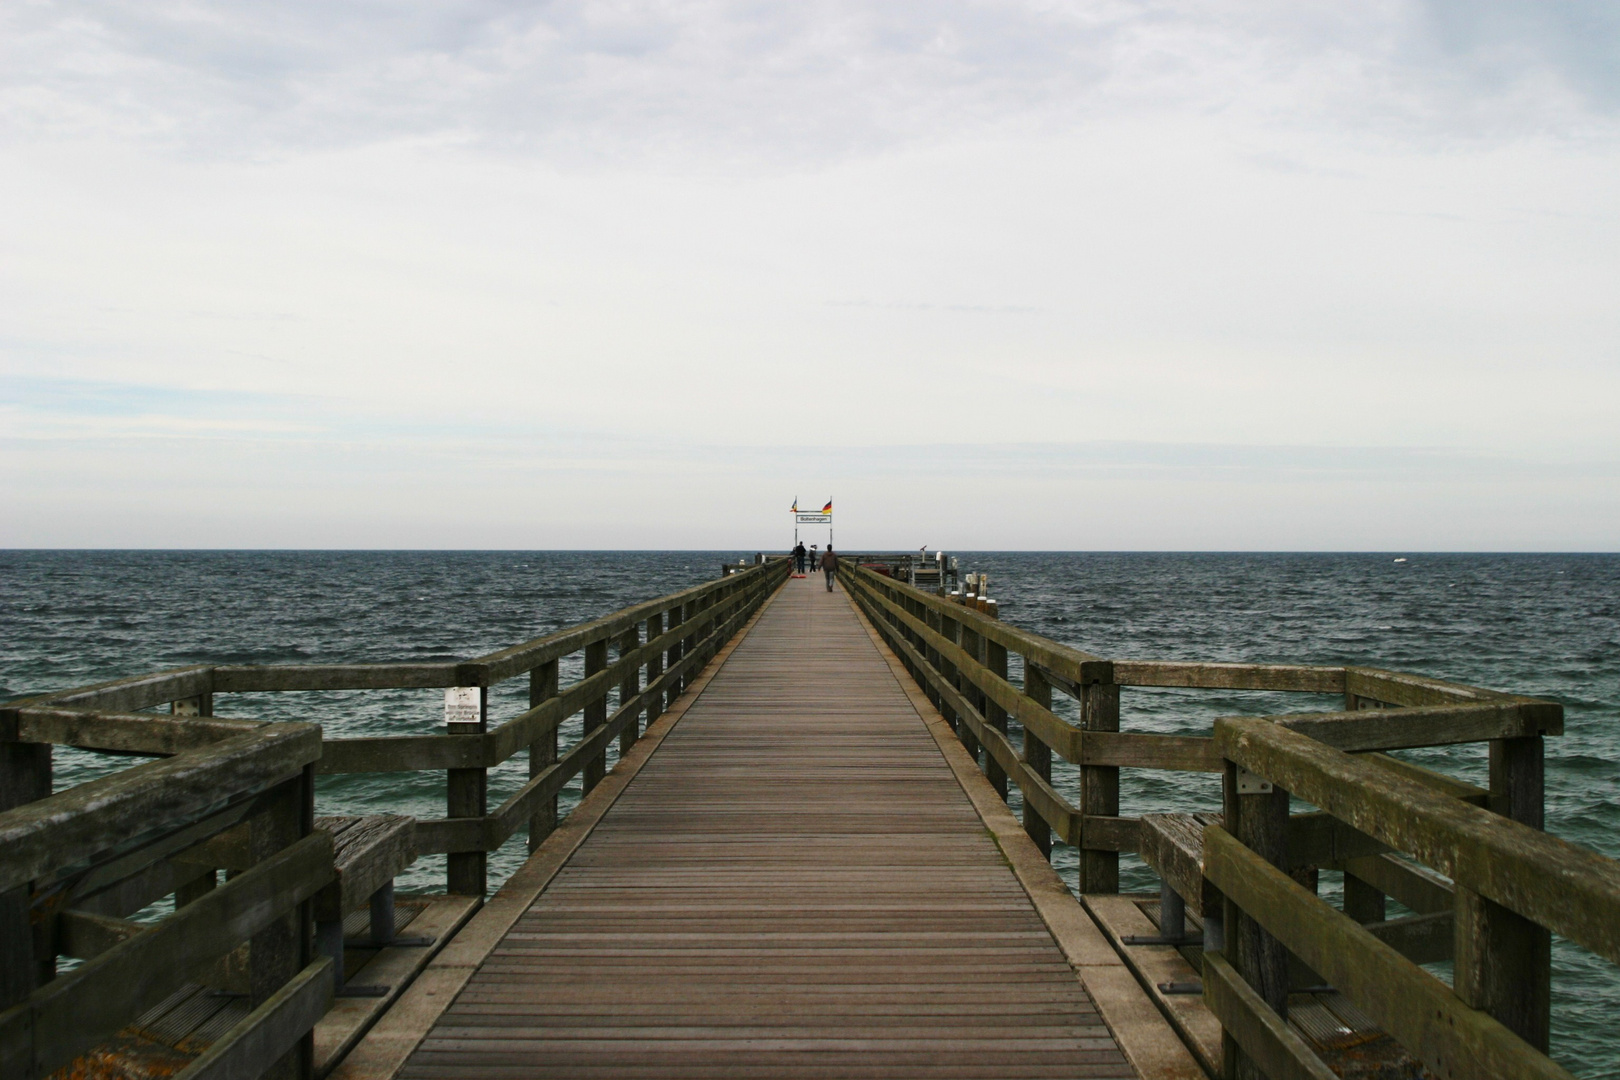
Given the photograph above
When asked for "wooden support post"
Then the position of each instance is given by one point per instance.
(677, 615)
(896, 628)
(1362, 902)
(196, 889)
(543, 685)
(467, 796)
(25, 776)
(596, 659)
(951, 631)
(1099, 787)
(1038, 756)
(629, 642)
(902, 631)
(994, 657)
(970, 644)
(655, 669)
(1256, 813)
(689, 645)
(25, 772)
(1518, 780)
(936, 623)
(281, 950)
(1503, 961)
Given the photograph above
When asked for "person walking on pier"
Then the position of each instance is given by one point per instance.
(798, 558)
(814, 561)
(829, 566)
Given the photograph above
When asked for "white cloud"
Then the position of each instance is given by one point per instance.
(828, 225)
(716, 84)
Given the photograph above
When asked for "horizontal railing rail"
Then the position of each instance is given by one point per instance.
(75, 864)
(928, 631)
(62, 833)
(659, 641)
(1504, 887)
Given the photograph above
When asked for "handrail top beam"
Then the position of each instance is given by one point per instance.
(71, 828)
(1567, 888)
(132, 693)
(517, 659)
(1070, 663)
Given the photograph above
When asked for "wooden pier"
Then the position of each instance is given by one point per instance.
(802, 864)
(794, 885)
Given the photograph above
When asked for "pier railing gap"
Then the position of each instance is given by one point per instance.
(239, 796)
(1486, 885)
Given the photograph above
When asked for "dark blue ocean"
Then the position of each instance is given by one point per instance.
(1547, 625)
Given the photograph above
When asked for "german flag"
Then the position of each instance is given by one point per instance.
(828, 508)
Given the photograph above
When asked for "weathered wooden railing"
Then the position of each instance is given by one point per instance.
(1485, 883)
(74, 864)
(959, 656)
(1511, 886)
(239, 794)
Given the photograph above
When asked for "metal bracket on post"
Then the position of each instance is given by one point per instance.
(1250, 784)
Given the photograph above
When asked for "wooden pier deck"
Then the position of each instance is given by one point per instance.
(795, 883)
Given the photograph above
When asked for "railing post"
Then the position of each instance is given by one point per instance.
(968, 640)
(951, 631)
(655, 668)
(543, 685)
(596, 659)
(1362, 902)
(629, 642)
(1256, 813)
(919, 612)
(935, 621)
(1038, 756)
(25, 776)
(689, 641)
(1099, 787)
(1503, 961)
(281, 950)
(467, 796)
(701, 639)
(677, 615)
(994, 657)
(198, 887)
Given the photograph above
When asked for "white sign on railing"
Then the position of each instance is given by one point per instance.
(461, 704)
(814, 519)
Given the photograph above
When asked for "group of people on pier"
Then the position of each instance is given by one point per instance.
(828, 562)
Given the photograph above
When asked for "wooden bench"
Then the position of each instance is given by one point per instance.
(368, 853)
(1173, 845)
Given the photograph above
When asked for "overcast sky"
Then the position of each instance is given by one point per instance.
(1185, 275)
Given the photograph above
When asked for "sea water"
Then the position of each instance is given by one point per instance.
(1545, 625)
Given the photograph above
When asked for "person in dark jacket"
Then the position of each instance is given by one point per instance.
(829, 566)
(798, 558)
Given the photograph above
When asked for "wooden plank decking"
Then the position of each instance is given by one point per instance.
(794, 885)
